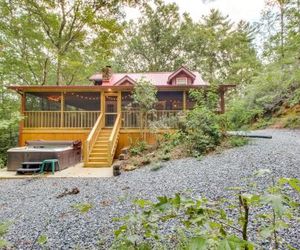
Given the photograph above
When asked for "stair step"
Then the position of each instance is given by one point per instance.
(102, 140)
(96, 164)
(98, 155)
(104, 160)
(101, 145)
(99, 150)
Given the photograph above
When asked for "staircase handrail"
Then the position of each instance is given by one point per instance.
(113, 139)
(93, 135)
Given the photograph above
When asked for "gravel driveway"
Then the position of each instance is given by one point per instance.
(32, 207)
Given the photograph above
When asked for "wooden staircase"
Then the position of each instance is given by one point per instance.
(101, 144)
(98, 156)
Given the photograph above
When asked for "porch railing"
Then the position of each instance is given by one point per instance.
(87, 119)
(58, 119)
(167, 118)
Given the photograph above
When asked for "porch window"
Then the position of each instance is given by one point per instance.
(41, 101)
(45, 110)
(81, 101)
(127, 101)
(170, 100)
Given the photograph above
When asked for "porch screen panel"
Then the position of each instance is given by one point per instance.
(42, 110)
(42, 101)
(82, 101)
(170, 100)
(130, 111)
(81, 109)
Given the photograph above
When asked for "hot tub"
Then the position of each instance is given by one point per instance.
(68, 153)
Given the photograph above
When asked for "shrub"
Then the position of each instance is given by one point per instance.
(144, 95)
(292, 122)
(237, 141)
(182, 222)
(138, 148)
(240, 115)
(157, 166)
(203, 131)
(3, 230)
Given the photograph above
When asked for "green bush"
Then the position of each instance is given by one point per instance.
(157, 166)
(292, 122)
(3, 231)
(237, 141)
(203, 132)
(190, 223)
(138, 148)
(240, 115)
(295, 98)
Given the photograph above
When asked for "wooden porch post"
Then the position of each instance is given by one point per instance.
(222, 100)
(119, 107)
(21, 125)
(62, 104)
(102, 100)
(184, 100)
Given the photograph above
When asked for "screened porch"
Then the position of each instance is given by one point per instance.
(80, 110)
(61, 110)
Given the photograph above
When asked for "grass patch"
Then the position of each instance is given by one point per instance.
(237, 141)
(157, 166)
(3, 230)
(82, 207)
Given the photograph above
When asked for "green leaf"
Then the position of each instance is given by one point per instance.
(232, 243)
(176, 201)
(83, 207)
(3, 243)
(198, 243)
(295, 184)
(42, 239)
(142, 203)
(3, 228)
(121, 230)
(276, 202)
(262, 172)
(252, 198)
(266, 232)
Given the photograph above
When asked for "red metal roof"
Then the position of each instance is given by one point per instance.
(156, 78)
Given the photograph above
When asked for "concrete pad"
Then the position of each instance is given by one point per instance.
(72, 172)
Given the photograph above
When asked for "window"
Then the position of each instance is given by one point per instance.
(181, 81)
(79, 101)
(42, 101)
(169, 100)
(127, 101)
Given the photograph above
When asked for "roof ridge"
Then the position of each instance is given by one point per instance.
(154, 72)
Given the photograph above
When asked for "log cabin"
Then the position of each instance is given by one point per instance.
(97, 114)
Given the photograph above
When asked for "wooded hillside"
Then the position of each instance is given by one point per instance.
(64, 42)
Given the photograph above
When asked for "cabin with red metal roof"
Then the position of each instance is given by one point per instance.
(98, 114)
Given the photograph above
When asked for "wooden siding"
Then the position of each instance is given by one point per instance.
(54, 134)
(126, 136)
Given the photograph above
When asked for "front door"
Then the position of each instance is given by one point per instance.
(111, 109)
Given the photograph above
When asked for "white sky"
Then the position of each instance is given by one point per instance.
(248, 10)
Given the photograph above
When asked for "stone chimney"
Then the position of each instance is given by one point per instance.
(106, 75)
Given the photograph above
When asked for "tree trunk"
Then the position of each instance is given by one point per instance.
(58, 70)
(282, 29)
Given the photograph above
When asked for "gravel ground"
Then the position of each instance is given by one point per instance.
(32, 207)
